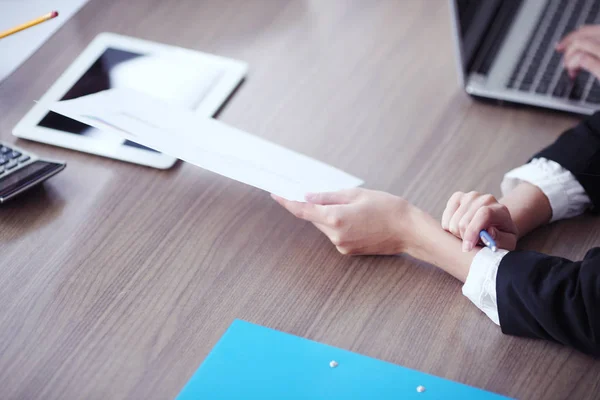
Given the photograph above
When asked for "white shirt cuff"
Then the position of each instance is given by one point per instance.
(566, 195)
(480, 286)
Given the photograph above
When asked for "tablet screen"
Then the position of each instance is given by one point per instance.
(182, 78)
(100, 76)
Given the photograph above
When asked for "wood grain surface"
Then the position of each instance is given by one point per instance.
(116, 280)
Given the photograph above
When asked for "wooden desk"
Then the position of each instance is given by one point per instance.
(117, 280)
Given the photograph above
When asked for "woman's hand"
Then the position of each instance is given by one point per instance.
(359, 221)
(581, 49)
(466, 214)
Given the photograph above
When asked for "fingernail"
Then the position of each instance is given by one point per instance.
(467, 246)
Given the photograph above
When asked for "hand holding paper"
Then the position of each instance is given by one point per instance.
(205, 142)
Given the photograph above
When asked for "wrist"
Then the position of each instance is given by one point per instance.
(419, 237)
(528, 206)
(427, 241)
(410, 230)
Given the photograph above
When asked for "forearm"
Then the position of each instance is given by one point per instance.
(552, 298)
(434, 245)
(528, 206)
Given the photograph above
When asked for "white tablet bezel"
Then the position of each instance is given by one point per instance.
(28, 128)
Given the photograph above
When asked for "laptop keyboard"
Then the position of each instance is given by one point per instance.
(540, 68)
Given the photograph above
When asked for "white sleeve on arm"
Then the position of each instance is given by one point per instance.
(566, 195)
(567, 199)
(480, 285)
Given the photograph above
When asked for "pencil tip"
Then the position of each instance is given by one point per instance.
(494, 248)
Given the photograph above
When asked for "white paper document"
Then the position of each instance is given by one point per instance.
(205, 142)
(17, 48)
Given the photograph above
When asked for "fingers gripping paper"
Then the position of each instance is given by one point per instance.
(205, 142)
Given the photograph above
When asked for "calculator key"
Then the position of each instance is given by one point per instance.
(14, 154)
(11, 164)
(24, 159)
(1, 170)
(4, 149)
(3, 160)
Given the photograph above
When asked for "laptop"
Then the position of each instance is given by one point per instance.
(506, 51)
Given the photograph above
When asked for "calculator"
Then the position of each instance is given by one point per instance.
(21, 170)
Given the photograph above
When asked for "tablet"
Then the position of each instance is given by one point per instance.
(191, 79)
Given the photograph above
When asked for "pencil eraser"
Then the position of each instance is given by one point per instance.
(54, 14)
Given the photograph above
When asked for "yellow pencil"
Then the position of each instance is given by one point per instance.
(29, 24)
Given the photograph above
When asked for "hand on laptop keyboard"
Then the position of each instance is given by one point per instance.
(581, 50)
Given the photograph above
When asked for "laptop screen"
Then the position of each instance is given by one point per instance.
(474, 19)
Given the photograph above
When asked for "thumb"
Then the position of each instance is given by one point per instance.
(331, 198)
(504, 240)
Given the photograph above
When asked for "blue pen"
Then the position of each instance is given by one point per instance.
(487, 239)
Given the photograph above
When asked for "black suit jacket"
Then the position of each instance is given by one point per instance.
(553, 298)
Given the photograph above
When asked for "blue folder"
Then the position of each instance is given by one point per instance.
(254, 362)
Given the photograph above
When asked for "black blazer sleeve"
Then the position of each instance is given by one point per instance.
(551, 298)
(578, 151)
